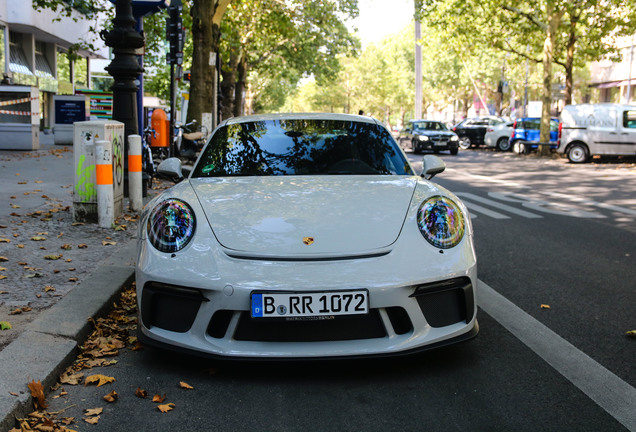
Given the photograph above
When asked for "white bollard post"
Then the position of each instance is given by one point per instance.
(104, 181)
(135, 187)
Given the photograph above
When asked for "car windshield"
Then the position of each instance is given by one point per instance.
(301, 147)
(430, 125)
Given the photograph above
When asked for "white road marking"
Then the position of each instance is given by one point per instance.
(545, 206)
(498, 205)
(610, 392)
(483, 210)
(592, 203)
(487, 178)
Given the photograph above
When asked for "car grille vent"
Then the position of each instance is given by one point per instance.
(337, 329)
(445, 303)
(170, 307)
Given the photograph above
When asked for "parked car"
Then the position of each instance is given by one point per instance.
(305, 236)
(597, 129)
(471, 131)
(428, 135)
(498, 136)
(526, 132)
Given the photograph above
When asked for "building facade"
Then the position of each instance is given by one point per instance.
(614, 81)
(34, 51)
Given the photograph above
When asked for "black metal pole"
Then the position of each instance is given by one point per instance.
(125, 41)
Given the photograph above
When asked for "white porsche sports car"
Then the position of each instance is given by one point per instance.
(305, 236)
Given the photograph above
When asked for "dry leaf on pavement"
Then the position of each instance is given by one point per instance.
(37, 392)
(99, 379)
(159, 399)
(94, 411)
(185, 385)
(141, 393)
(165, 408)
(111, 397)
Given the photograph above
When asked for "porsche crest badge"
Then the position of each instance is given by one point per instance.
(308, 240)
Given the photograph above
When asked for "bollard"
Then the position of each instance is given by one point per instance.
(135, 187)
(104, 181)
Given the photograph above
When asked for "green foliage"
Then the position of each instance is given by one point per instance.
(280, 42)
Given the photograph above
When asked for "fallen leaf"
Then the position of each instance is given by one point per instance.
(99, 379)
(21, 246)
(108, 243)
(141, 393)
(73, 379)
(2, 277)
(82, 245)
(14, 394)
(66, 246)
(38, 238)
(158, 399)
(16, 312)
(3, 240)
(91, 420)
(111, 397)
(545, 306)
(185, 385)
(3, 259)
(94, 411)
(53, 257)
(73, 279)
(165, 408)
(37, 392)
(5, 325)
(631, 333)
(49, 288)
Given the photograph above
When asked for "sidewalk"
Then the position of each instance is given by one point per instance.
(54, 274)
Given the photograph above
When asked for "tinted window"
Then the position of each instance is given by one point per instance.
(431, 125)
(531, 124)
(301, 147)
(629, 119)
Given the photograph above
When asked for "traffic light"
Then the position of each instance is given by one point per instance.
(175, 33)
(187, 76)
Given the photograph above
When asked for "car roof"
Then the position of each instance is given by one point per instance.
(300, 116)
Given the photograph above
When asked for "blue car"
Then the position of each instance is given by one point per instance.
(525, 134)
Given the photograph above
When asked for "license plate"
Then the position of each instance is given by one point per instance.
(310, 304)
(440, 143)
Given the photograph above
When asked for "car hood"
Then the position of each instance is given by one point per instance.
(292, 216)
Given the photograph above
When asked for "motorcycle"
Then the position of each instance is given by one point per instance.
(189, 139)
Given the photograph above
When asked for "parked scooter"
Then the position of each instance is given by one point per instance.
(189, 139)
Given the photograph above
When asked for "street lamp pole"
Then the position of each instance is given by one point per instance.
(126, 43)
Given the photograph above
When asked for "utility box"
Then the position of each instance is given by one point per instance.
(19, 117)
(85, 135)
(68, 110)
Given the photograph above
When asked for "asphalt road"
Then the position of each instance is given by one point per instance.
(546, 233)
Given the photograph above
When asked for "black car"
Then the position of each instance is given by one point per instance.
(431, 135)
(471, 131)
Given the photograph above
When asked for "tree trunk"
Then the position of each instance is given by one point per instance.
(206, 17)
(569, 60)
(554, 18)
(241, 81)
(228, 87)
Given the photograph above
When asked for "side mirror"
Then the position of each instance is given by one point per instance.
(431, 166)
(170, 169)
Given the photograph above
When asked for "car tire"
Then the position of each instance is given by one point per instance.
(518, 147)
(503, 144)
(464, 143)
(578, 153)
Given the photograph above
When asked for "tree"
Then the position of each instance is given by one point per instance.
(281, 40)
(206, 20)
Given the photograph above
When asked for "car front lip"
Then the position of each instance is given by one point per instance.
(226, 283)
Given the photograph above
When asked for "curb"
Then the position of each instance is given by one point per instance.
(50, 342)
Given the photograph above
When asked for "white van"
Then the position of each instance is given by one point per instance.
(597, 129)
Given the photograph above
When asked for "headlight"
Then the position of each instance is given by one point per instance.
(441, 222)
(171, 225)
(454, 138)
(422, 137)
